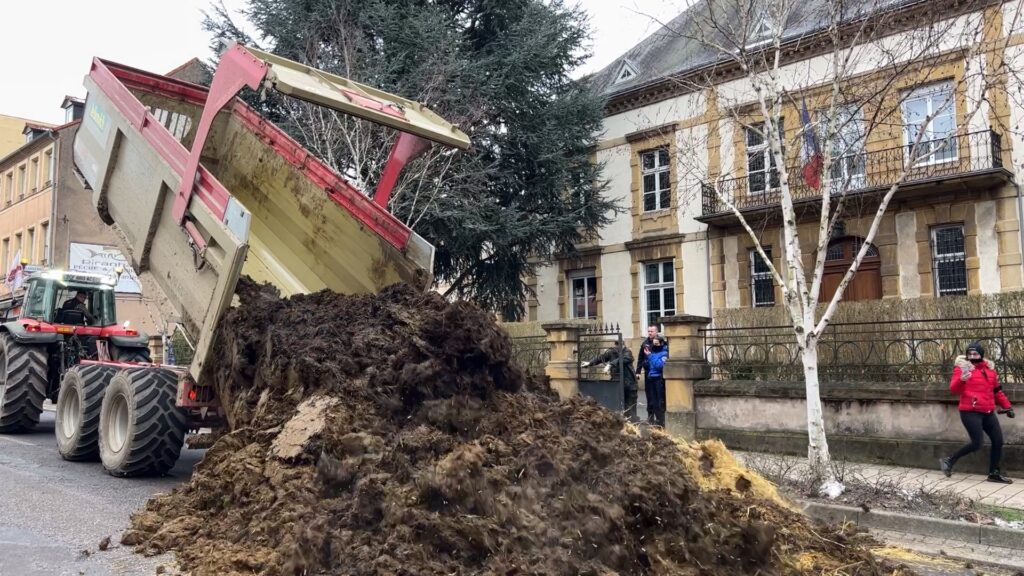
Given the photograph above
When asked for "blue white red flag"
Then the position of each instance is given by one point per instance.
(811, 160)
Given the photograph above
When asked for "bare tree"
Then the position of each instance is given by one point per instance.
(846, 69)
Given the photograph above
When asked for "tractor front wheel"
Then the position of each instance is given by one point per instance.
(77, 425)
(141, 430)
(23, 374)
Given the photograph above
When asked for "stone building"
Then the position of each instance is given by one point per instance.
(670, 137)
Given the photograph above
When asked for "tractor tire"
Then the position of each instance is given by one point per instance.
(77, 425)
(23, 373)
(141, 430)
(132, 355)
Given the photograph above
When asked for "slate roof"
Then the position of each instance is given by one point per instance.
(674, 49)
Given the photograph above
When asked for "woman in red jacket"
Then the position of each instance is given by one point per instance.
(977, 383)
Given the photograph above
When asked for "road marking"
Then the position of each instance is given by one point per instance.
(22, 442)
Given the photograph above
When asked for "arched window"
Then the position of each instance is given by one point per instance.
(865, 285)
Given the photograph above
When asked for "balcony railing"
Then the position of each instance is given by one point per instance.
(957, 155)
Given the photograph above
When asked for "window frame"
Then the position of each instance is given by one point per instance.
(927, 92)
(29, 252)
(656, 170)
(22, 180)
(626, 73)
(770, 170)
(44, 230)
(950, 257)
(48, 167)
(582, 275)
(661, 286)
(848, 115)
(760, 276)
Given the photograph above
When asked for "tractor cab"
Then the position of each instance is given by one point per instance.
(68, 299)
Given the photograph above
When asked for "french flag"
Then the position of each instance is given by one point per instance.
(811, 160)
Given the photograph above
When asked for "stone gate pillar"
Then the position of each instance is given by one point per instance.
(562, 368)
(686, 366)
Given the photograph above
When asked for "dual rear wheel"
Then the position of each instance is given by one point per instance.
(126, 417)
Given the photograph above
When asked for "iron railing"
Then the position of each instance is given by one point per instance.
(531, 353)
(591, 343)
(895, 351)
(863, 172)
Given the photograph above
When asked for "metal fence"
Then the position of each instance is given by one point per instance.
(591, 344)
(531, 353)
(894, 351)
(863, 172)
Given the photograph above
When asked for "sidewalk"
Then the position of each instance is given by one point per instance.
(972, 486)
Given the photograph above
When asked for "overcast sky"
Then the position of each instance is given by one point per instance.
(46, 45)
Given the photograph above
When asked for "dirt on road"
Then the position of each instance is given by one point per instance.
(393, 434)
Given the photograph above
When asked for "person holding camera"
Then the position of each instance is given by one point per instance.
(975, 380)
(654, 384)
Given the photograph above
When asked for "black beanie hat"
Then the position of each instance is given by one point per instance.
(976, 346)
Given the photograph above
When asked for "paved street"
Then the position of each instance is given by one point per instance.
(53, 513)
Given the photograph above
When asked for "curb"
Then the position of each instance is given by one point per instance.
(921, 525)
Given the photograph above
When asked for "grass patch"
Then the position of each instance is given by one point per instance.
(1008, 514)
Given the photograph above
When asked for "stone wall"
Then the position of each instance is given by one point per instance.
(910, 424)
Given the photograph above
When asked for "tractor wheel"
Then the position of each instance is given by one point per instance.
(23, 373)
(131, 355)
(77, 424)
(141, 430)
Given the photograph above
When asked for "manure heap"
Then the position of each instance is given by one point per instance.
(393, 434)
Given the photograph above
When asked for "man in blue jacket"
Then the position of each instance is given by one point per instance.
(657, 354)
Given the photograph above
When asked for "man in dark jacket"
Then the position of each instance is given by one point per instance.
(642, 363)
(641, 357)
(78, 303)
(618, 361)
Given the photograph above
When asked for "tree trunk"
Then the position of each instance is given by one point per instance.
(817, 445)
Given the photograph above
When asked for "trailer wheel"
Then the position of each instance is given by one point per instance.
(77, 425)
(141, 430)
(23, 373)
(132, 355)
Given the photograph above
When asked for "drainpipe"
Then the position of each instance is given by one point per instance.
(1020, 223)
(707, 266)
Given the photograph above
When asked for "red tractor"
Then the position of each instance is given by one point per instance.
(64, 344)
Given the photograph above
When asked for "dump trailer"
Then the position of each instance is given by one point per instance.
(202, 189)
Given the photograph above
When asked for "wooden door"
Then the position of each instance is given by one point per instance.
(865, 285)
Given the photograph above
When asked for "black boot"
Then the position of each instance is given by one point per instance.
(997, 476)
(946, 465)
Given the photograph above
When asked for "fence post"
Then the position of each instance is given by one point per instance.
(562, 366)
(685, 367)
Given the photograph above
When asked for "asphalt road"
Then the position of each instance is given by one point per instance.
(53, 514)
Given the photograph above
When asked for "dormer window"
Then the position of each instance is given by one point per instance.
(74, 108)
(763, 29)
(626, 73)
(761, 32)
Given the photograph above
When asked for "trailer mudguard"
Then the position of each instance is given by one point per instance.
(140, 341)
(22, 336)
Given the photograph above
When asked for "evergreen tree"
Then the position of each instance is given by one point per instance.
(500, 70)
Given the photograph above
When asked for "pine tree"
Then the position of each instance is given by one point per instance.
(526, 191)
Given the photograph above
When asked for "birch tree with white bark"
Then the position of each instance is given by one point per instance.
(870, 50)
